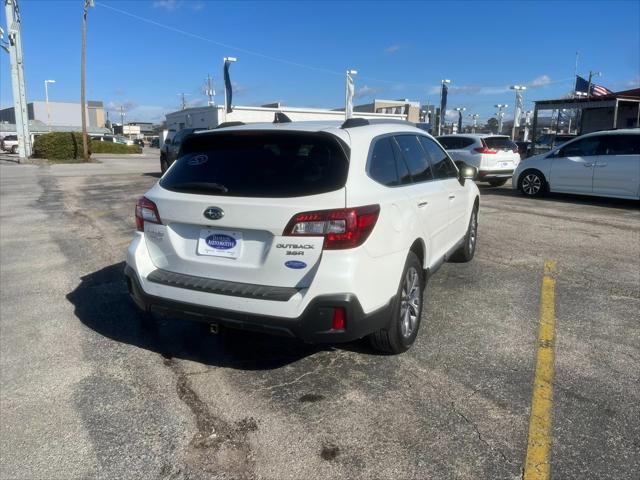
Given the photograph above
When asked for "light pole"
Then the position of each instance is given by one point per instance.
(517, 108)
(443, 102)
(474, 116)
(500, 115)
(46, 99)
(460, 110)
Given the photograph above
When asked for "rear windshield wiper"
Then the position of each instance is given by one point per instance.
(205, 186)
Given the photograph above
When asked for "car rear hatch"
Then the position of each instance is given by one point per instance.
(500, 153)
(225, 203)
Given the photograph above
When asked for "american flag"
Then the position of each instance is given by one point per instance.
(599, 90)
(596, 90)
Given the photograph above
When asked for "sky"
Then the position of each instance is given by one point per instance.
(142, 54)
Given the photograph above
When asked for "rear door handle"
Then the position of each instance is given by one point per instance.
(451, 197)
(601, 164)
(422, 203)
(588, 164)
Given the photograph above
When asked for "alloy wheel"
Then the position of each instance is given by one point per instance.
(410, 303)
(531, 184)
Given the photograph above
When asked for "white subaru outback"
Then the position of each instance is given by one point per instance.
(321, 231)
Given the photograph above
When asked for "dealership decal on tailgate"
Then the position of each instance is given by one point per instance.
(219, 243)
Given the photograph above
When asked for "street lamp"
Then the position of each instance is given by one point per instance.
(443, 107)
(500, 115)
(46, 99)
(517, 108)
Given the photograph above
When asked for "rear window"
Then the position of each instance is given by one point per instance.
(500, 143)
(259, 164)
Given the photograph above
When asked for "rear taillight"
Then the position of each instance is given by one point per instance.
(485, 149)
(146, 211)
(341, 228)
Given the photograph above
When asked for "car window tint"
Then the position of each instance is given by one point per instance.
(500, 143)
(449, 143)
(466, 142)
(403, 170)
(415, 158)
(263, 164)
(621, 145)
(442, 165)
(382, 166)
(585, 147)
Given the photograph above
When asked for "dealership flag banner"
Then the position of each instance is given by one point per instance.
(227, 86)
(350, 92)
(518, 112)
(443, 102)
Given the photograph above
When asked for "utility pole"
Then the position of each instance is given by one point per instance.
(591, 75)
(184, 100)
(83, 109)
(14, 47)
(209, 91)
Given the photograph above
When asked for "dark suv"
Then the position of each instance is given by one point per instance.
(171, 147)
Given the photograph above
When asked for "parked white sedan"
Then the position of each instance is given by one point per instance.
(605, 164)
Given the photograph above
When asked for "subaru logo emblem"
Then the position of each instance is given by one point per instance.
(213, 213)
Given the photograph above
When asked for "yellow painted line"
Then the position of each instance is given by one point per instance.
(539, 441)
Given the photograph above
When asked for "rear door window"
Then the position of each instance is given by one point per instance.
(620, 145)
(259, 164)
(382, 165)
(442, 165)
(415, 158)
(449, 143)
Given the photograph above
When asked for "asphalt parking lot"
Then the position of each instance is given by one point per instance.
(86, 392)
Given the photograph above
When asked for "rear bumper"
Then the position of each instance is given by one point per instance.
(486, 175)
(313, 325)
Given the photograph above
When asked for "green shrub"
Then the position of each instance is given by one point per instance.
(110, 147)
(65, 146)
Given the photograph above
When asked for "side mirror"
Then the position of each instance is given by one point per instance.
(467, 172)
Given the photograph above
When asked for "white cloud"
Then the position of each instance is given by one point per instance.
(367, 91)
(635, 83)
(541, 81)
(392, 48)
(167, 4)
(171, 5)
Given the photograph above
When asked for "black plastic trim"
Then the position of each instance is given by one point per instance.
(222, 287)
(313, 325)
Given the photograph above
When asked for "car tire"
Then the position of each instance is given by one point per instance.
(532, 183)
(498, 183)
(468, 249)
(163, 164)
(407, 311)
(14, 149)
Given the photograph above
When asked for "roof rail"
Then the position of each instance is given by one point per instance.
(280, 117)
(229, 124)
(361, 122)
